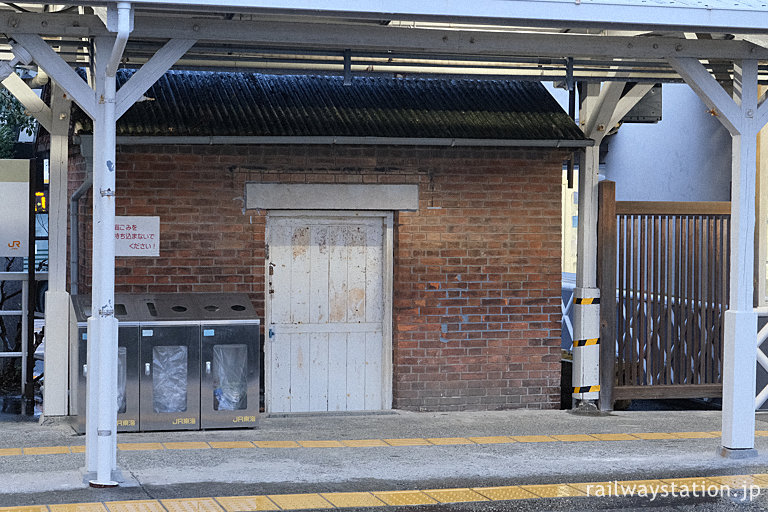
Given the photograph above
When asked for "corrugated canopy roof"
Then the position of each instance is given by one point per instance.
(195, 103)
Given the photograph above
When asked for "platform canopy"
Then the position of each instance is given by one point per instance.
(557, 40)
(616, 48)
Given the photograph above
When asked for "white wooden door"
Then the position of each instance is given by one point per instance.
(326, 313)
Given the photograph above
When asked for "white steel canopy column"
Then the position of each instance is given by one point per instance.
(743, 116)
(602, 108)
(104, 105)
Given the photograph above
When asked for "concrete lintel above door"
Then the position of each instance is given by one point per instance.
(291, 196)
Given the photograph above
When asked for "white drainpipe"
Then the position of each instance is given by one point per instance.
(103, 318)
(121, 39)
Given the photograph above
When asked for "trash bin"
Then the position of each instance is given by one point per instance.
(185, 361)
(230, 372)
(128, 313)
(170, 363)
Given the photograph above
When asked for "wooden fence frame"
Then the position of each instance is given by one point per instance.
(609, 209)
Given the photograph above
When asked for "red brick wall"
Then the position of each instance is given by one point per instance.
(477, 268)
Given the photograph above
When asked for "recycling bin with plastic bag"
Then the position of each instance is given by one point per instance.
(127, 313)
(196, 362)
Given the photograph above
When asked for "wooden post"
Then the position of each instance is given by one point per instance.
(606, 280)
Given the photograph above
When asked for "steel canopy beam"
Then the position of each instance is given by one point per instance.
(31, 101)
(55, 66)
(150, 73)
(359, 37)
(711, 92)
(541, 13)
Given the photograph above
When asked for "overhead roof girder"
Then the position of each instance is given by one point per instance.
(367, 37)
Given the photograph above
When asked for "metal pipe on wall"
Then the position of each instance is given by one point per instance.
(86, 149)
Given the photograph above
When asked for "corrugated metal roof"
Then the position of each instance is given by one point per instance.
(195, 103)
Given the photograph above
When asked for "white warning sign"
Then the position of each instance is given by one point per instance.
(137, 236)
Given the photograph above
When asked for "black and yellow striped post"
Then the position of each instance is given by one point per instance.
(586, 345)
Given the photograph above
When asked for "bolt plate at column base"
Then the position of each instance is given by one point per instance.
(116, 476)
(586, 408)
(737, 453)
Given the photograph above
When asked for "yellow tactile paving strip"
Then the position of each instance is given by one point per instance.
(79, 507)
(374, 443)
(400, 498)
(336, 500)
(247, 503)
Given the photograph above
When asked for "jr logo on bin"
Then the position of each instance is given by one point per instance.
(184, 421)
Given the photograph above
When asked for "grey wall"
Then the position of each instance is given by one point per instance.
(684, 157)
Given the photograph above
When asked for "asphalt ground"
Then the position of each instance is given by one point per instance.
(42, 464)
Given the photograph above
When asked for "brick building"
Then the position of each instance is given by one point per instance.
(433, 285)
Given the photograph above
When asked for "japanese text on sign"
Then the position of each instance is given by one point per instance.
(137, 236)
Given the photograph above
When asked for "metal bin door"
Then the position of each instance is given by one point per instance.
(170, 377)
(127, 378)
(230, 375)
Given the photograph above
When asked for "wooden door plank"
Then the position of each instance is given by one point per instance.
(300, 271)
(356, 371)
(318, 371)
(337, 277)
(356, 275)
(281, 373)
(337, 371)
(373, 371)
(300, 366)
(374, 272)
(280, 268)
(318, 281)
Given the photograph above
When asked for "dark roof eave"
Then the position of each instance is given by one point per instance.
(351, 141)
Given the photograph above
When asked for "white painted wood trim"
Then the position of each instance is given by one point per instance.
(267, 323)
(348, 327)
(388, 280)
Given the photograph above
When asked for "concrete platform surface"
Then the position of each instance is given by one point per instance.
(43, 463)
